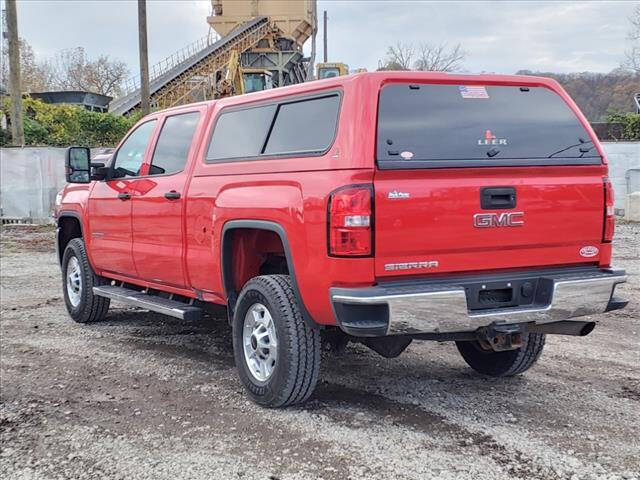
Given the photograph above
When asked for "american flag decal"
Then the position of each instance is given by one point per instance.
(473, 91)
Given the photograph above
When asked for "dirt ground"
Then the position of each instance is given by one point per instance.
(142, 396)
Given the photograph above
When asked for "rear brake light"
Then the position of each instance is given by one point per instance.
(609, 212)
(350, 213)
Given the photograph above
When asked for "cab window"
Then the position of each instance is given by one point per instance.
(130, 156)
(172, 149)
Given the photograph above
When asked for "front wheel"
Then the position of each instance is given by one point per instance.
(277, 353)
(503, 364)
(78, 280)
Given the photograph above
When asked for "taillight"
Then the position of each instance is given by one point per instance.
(609, 212)
(350, 215)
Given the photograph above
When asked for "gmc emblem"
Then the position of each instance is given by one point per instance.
(506, 219)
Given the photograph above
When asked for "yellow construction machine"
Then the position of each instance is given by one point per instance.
(238, 80)
(330, 70)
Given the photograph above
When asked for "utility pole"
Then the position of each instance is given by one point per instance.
(17, 127)
(144, 57)
(325, 37)
(314, 32)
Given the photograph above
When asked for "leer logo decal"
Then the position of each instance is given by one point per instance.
(589, 251)
(491, 139)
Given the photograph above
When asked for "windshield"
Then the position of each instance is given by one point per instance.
(329, 72)
(486, 124)
(256, 82)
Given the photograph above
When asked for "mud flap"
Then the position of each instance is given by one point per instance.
(388, 347)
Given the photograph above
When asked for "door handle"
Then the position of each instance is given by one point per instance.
(172, 195)
(124, 196)
(493, 198)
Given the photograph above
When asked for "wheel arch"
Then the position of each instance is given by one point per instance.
(226, 249)
(69, 226)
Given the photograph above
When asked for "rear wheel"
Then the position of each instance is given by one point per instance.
(277, 353)
(503, 364)
(78, 280)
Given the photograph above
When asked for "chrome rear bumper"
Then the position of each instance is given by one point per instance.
(442, 307)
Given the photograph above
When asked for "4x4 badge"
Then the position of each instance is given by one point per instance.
(396, 194)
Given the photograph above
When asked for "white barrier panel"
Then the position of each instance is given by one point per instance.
(29, 181)
(632, 211)
(623, 157)
(32, 176)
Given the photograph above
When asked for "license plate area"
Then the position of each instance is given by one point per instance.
(496, 295)
(506, 294)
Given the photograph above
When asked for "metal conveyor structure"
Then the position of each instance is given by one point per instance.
(194, 79)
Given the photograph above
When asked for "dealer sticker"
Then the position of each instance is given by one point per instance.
(589, 251)
(473, 91)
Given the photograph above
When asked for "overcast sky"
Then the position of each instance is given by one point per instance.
(499, 37)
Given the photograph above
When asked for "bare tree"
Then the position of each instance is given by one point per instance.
(632, 55)
(399, 57)
(439, 58)
(34, 76)
(632, 59)
(429, 57)
(634, 33)
(73, 70)
(68, 70)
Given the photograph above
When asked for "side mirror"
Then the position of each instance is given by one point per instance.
(99, 171)
(78, 165)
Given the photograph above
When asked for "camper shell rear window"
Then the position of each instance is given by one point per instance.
(436, 125)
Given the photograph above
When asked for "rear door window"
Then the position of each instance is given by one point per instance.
(174, 143)
(428, 125)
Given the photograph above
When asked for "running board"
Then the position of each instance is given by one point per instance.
(154, 303)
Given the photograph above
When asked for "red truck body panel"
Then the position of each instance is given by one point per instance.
(175, 245)
(562, 211)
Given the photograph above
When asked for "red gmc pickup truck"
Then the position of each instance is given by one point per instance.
(378, 208)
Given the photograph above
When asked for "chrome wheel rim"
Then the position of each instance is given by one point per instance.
(260, 342)
(74, 281)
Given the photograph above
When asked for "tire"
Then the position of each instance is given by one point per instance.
(268, 311)
(83, 306)
(503, 364)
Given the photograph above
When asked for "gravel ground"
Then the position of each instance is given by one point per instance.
(142, 396)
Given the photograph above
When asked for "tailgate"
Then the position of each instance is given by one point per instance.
(502, 177)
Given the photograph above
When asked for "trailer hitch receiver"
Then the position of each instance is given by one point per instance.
(500, 338)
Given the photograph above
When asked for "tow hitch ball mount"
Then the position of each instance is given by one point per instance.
(500, 338)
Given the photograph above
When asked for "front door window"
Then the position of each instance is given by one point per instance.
(130, 156)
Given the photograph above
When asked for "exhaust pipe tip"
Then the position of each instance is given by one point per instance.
(587, 328)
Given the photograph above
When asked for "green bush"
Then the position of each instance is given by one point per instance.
(630, 124)
(5, 137)
(35, 132)
(63, 125)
